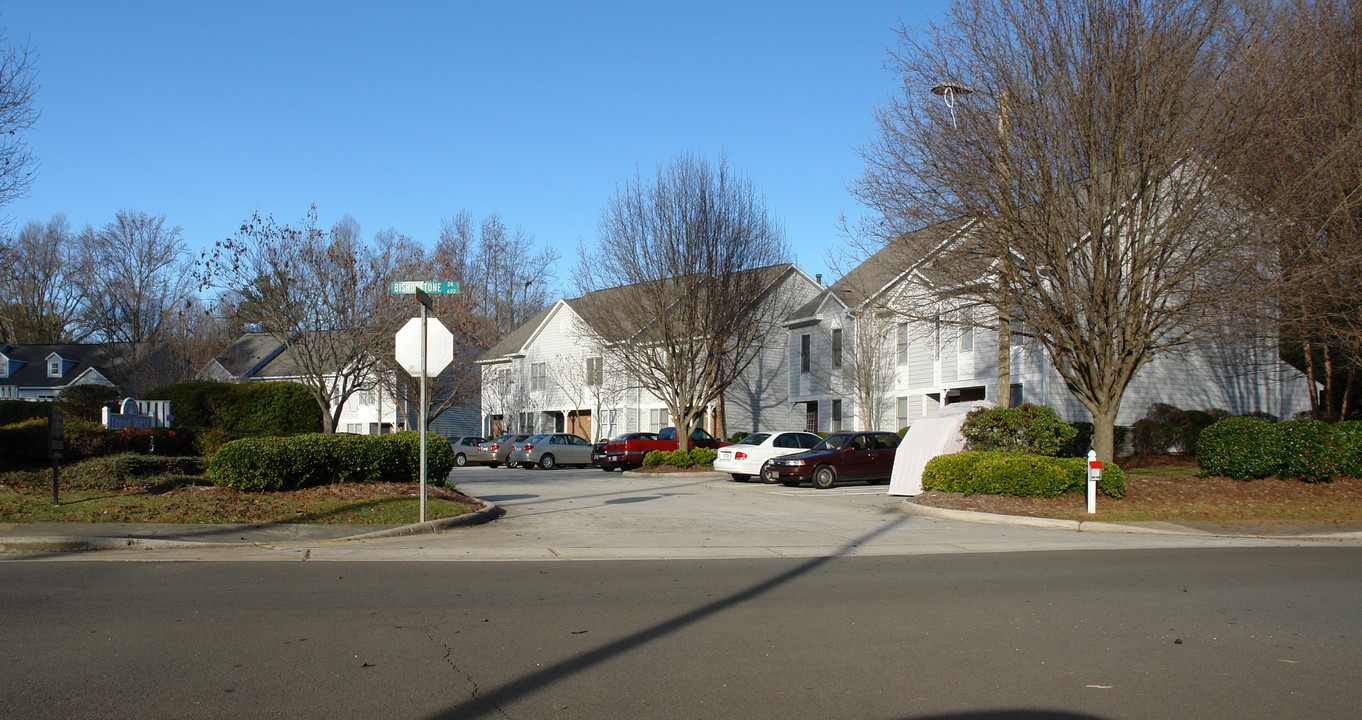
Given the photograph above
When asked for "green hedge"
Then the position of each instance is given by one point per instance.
(297, 461)
(1020, 474)
(1243, 448)
(17, 411)
(242, 410)
(681, 458)
(1348, 436)
(116, 472)
(1306, 450)
(1027, 428)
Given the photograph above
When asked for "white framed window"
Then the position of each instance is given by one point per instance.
(54, 367)
(837, 347)
(803, 353)
(4, 366)
(658, 418)
(836, 415)
(356, 428)
(902, 414)
(539, 375)
(593, 372)
(901, 345)
(967, 330)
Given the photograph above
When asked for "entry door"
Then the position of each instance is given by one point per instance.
(811, 416)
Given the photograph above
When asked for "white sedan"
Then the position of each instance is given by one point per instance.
(744, 458)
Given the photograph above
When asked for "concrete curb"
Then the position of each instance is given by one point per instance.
(477, 517)
(71, 543)
(912, 508)
(711, 474)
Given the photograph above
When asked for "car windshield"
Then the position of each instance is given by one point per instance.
(639, 436)
(753, 439)
(833, 442)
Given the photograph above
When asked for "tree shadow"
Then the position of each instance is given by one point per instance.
(490, 701)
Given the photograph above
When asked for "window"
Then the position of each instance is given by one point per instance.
(54, 367)
(593, 371)
(902, 412)
(901, 347)
(4, 366)
(609, 423)
(538, 376)
(837, 347)
(658, 418)
(803, 353)
(967, 330)
(527, 422)
(836, 415)
(936, 337)
(356, 428)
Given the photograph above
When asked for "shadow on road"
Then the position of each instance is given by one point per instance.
(490, 701)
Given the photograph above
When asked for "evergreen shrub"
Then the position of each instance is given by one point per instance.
(1348, 440)
(1019, 474)
(1306, 450)
(1243, 448)
(1027, 428)
(703, 456)
(16, 411)
(297, 461)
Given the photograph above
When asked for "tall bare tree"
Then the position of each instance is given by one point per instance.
(18, 89)
(321, 293)
(503, 279)
(1306, 165)
(137, 274)
(1083, 167)
(684, 263)
(42, 289)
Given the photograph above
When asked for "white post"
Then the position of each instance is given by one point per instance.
(422, 423)
(1094, 475)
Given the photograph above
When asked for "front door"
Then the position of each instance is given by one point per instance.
(811, 416)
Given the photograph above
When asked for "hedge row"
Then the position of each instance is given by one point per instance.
(242, 410)
(995, 472)
(681, 458)
(297, 461)
(26, 443)
(1247, 448)
(1027, 428)
(116, 472)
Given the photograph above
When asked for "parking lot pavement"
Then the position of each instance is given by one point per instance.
(591, 514)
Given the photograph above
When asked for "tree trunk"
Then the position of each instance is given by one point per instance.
(1004, 357)
(1104, 433)
(1309, 351)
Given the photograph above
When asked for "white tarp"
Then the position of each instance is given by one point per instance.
(936, 433)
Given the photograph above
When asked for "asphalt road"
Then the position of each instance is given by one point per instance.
(1204, 633)
(691, 598)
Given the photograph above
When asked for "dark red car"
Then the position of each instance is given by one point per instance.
(841, 456)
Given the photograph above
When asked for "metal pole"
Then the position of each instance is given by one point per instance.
(422, 423)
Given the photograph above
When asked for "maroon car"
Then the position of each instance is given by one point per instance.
(841, 456)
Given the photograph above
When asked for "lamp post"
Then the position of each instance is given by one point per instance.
(949, 91)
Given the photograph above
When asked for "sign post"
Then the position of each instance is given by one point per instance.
(1094, 477)
(431, 353)
(56, 445)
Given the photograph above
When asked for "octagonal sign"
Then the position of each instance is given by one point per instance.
(439, 346)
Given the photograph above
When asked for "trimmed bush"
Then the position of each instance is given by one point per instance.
(17, 411)
(245, 410)
(1306, 450)
(87, 402)
(1027, 428)
(24, 442)
(297, 461)
(1163, 428)
(1243, 448)
(703, 456)
(117, 472)
(1348, 440)
(1016, 474)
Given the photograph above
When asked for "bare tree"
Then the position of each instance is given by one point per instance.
(42, 287)
(679, 275)
(18, 166)
(1083, 172)
(503, 279)
(322, 294)
(137, 275)
(1306, 165)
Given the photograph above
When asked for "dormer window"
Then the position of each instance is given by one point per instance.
(4, 366)
(54, 364)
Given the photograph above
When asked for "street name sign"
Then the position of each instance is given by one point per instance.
(432, 287)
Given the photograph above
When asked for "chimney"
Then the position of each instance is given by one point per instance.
(819, 279)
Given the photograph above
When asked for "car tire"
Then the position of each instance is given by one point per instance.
(790, 483)
(460, 460)
(546, 462)
(608, 468)
(824, 477)
(739, 477)
(769, 479)
(527, 466)
(493, 464)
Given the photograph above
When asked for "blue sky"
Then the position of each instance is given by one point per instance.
(401, 114)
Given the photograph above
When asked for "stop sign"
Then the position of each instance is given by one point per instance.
(439, 346)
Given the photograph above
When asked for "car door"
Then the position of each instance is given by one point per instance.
(884, 447)
(858, 459)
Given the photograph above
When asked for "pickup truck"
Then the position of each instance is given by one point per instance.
(627, 450)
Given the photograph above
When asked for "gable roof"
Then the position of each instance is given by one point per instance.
(594, 306)
(28, 363)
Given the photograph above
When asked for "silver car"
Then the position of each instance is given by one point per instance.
(550, 450)
(464, 448)
(495, 451)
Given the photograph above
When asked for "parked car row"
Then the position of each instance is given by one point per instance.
(787, 457)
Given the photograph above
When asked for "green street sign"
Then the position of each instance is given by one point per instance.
(433, 287)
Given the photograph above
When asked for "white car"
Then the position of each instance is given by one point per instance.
(744, 458)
